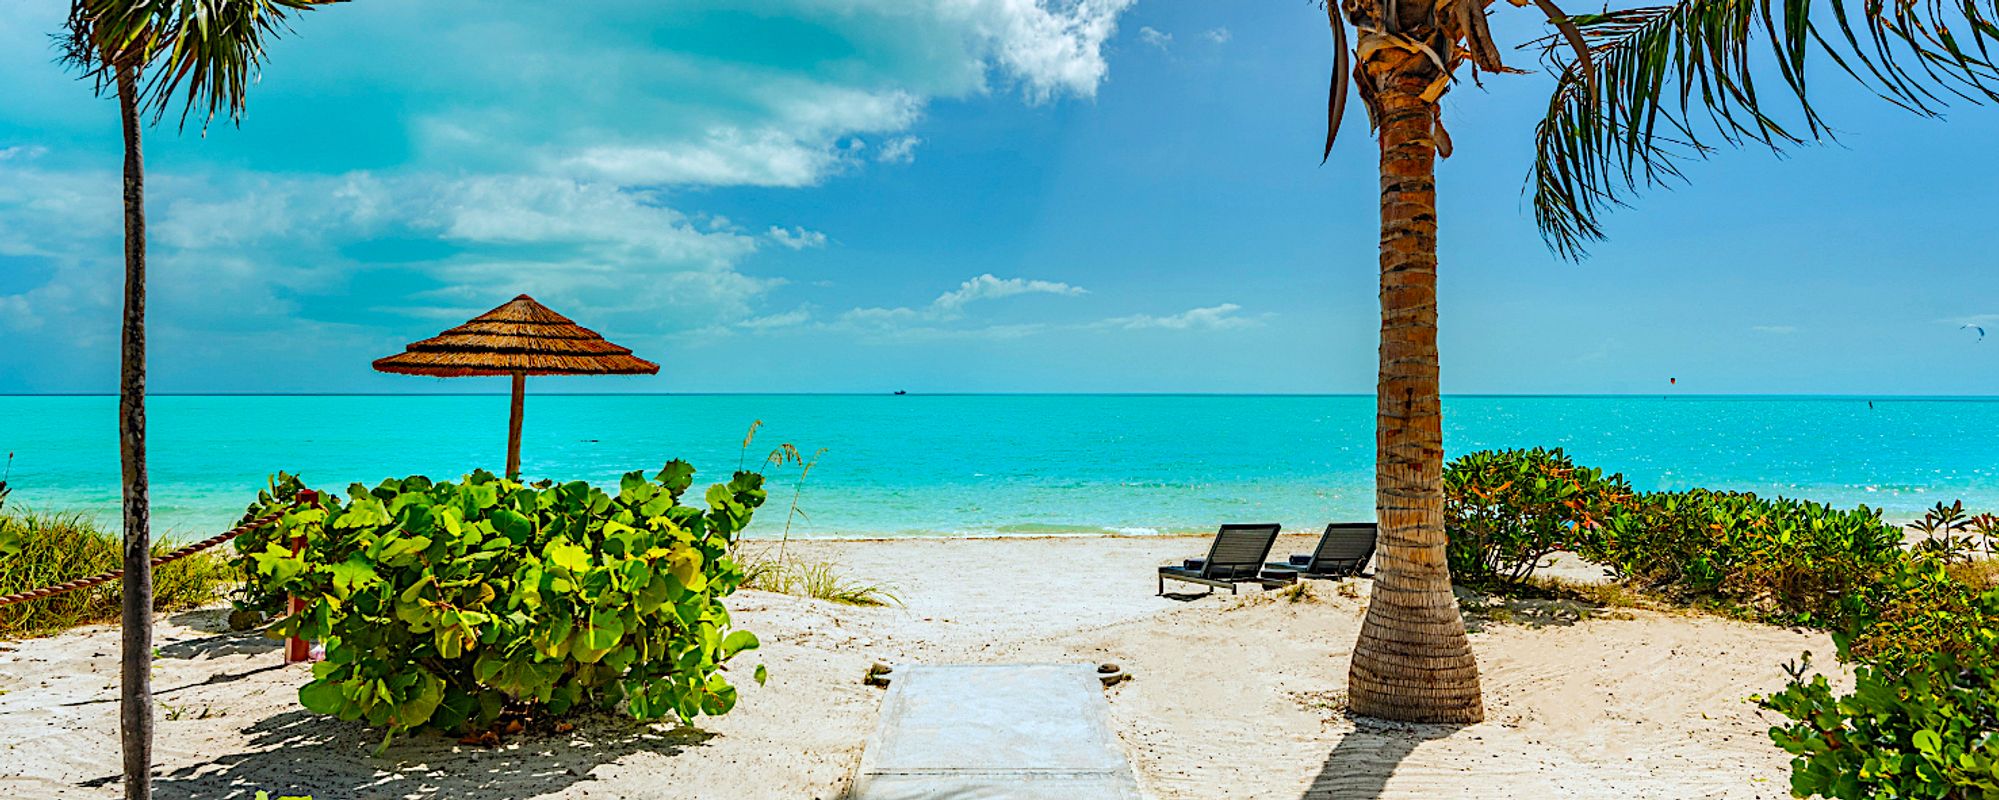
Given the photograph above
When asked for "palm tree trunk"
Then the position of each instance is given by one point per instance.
(135, 704)
(1412, 661)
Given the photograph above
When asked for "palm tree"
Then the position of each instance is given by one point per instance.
(155, 54)
(1620, 74)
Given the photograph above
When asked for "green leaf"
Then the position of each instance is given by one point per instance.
(513, 525)
(352, 574)
(604, 631)
(761, 675)
(568, 556)
(322, 696)
(365, 512)
(737, 642)
(676, 476)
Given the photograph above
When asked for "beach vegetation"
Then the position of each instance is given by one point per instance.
(1953, 536)
(1779, 560)
(446, 604)
(779, 572)
(1921, 608)
(1925, 733)
(1507, 511)
(1922, 720)
(53, 548)
(1773, 559)
(820, 580)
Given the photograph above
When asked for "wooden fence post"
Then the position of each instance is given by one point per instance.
(298, 650)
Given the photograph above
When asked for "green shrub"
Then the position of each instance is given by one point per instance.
(1507, 510)
(1782, 560)
(1928, 733)
(1921, 608)
(1923, 719)
(54, 548)
(444, 604)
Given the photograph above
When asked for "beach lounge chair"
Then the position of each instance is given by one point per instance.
(1343, 552)
(1235, 557)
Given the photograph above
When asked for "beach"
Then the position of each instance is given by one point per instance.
(1230, 697)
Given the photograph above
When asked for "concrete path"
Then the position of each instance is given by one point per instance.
(994, 732)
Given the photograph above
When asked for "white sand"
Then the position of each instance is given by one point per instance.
(1231, 698)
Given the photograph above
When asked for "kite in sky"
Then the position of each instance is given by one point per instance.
(1981, 331)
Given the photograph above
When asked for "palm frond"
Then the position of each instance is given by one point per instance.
(1670, 80)
(201, 55)
(1336, 95)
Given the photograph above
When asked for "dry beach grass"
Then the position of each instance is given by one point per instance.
(1231, 697)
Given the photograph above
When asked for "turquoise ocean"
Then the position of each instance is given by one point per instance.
(998, 464)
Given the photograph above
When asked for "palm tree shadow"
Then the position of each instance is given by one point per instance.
(302, 753)
(1361, 764)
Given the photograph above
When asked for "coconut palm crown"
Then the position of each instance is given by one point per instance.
(198, 54)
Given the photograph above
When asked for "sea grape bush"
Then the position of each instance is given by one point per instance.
(1506, 511)
(1922, 721)
(1925, 733)
(443, 604)
(1923, 718)
(1783, 560)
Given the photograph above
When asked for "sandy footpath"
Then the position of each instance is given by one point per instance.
(1231, 697)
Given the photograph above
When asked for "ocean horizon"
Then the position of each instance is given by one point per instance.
(951, 464)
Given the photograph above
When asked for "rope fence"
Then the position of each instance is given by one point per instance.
(85, 583)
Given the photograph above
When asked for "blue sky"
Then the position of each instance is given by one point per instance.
(944, 195)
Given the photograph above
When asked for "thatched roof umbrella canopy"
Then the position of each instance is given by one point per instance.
(520, 338)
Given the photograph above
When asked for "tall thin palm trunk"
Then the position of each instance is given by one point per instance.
(1412, 661)
(135, 705)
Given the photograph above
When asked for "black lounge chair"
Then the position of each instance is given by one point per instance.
(1343, 552)
(1235, 557)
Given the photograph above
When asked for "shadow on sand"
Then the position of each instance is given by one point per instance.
(1482, 611)
(1361, 764)
(302, 753)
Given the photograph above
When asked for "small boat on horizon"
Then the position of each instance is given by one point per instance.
(900, 393)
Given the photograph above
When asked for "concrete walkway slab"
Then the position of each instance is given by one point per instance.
(994, 732)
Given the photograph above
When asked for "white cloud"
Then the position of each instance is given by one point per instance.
(799, 144)
(1154, 37)
(987, 287)
(542, 150)
(658, 115)
(235, 253)
(1218, 35)
(944, 318)
(899, 150)
(1052, 47)
(796, 238)
(939, 319)
(788, 319)
(1221, 317)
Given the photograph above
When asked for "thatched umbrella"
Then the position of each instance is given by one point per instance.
(520, 338)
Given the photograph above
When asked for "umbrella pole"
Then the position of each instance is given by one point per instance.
(514, 427)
